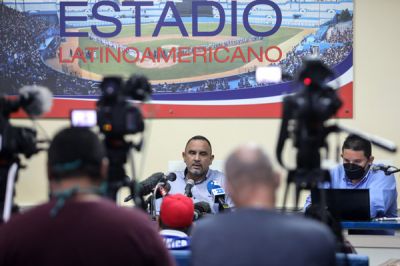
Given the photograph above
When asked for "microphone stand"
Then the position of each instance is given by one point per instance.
(153, 209)
(8, 197)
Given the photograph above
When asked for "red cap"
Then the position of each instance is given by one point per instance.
(177, 211)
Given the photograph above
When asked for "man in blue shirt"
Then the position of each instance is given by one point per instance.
(356, 173)
(198, 157)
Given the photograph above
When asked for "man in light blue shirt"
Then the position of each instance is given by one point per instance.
(198, 157)
(356, 173)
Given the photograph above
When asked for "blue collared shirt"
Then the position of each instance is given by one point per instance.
(199, 190)
(382, 190)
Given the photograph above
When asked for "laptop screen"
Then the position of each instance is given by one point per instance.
(345, 204)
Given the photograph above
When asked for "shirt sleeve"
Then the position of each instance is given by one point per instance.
(383, 195)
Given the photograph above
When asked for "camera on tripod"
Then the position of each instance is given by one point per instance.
(35, 100)
(117, 115)
(303, 120)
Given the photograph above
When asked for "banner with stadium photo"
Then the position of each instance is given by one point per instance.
(200, 56)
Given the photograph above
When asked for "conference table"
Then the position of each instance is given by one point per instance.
(379, 248)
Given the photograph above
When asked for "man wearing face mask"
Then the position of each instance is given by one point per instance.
(356, 173)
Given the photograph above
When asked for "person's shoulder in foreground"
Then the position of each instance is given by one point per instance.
(77, 226)
(255, 234)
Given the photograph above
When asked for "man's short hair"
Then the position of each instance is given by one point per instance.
(199, 137)
(249, 164)
(75, 151)
(356, 143)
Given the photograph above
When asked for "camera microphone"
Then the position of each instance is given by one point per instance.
(35, 100)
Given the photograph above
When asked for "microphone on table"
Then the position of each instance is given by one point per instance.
(147, 186)
(218, 194)
(201, 208)
(387, 169)
(188, 188)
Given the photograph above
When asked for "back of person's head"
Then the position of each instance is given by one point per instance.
(356, 143)
(249, 164)
(75, 152)
(176, 212)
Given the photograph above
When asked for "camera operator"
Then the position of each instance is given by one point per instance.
(78, 226)
(194, 180)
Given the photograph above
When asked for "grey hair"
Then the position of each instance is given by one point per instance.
(249, 164)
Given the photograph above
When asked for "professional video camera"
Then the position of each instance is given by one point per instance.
(303, 119)
(117, 116)
(35, 100)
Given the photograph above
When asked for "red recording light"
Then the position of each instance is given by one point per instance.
(307, 81)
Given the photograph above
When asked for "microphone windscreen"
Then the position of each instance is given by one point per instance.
(171, 177)
(149, 183)
(36, 100)
(190, 182)
(202, 207)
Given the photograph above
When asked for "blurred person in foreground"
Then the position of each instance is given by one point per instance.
(78, 226)
(255, 234)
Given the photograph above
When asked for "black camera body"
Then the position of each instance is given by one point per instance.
(14, 140)
(17, 140)
(119, 119)
(117, 114)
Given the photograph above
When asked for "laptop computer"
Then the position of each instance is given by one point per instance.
(345, 204)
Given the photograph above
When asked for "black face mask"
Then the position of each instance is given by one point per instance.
(354, 171)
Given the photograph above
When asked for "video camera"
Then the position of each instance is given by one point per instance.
(303, 119)
(35, 100)
(117, 115)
